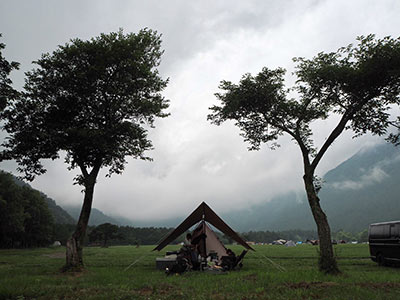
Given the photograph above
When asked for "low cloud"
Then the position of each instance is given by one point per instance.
(375, 175)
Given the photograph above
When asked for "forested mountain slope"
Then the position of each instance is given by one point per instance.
(362, 190)
(59, 214)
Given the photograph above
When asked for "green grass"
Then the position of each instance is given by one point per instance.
(292, 274)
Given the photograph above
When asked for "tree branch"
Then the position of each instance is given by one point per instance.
(83, 170)
(338, 130)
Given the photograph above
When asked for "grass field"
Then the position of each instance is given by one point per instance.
(272, 272)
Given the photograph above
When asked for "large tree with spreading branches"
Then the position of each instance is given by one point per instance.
(358, 83)
(92, 101)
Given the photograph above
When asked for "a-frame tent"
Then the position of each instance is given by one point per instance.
(204, 214)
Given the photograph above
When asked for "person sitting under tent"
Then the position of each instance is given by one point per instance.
(191, 248)
(188, 240)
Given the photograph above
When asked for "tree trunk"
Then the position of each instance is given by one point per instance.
(327, 261)
(74, 260)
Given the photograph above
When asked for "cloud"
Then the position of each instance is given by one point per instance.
(375, 175)
(205, 42)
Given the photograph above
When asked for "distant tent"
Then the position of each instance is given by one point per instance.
(290, 244)
(56, 244)
(279, 242)
(208, 240)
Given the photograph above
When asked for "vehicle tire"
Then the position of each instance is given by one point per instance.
(380, 259)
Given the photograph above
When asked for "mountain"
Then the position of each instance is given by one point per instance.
(59, 214)
(97, 217)
(361, 190)
(70, 214)
(364, 189)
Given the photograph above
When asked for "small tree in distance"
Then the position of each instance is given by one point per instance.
(94, 100)
(358, 83)
(104, 233)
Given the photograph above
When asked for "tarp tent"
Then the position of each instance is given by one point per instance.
(209, 241)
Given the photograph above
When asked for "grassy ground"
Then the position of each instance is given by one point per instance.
(272, 272)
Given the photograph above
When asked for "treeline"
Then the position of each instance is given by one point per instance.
(127, 235)
(342, 235)
(108, 234)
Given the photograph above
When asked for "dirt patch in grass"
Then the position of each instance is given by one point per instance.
(250, 277)
(55, 255)
(218, 296)
(309, 285)
(165, 289)
(379, 285)
(145, 291)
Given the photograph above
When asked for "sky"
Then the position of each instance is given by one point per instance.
(204, 42)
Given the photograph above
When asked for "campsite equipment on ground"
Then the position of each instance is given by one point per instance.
(231, 262)
(163, 263)
(206, 240)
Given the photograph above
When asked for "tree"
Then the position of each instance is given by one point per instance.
(93, 101)
(358, 84)
(6, 90)
(104, 233)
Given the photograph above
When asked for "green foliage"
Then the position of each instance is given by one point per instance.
(7, 93)
(61, 232)
(59, 214)
(128, 235)
(104, 233)
(92, 99)
(342, 235)
(360, 237)
(25, 220)
(357, 82)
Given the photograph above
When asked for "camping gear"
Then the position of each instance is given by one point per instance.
(231, 262)
(165, 262)
(206, 241)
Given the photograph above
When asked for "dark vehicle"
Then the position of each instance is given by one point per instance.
(384, 242)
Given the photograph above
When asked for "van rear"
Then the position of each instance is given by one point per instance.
(384, 242)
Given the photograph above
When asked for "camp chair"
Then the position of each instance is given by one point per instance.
(231, 262)
(239, 260)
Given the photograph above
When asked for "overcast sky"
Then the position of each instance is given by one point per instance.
(205, 42)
